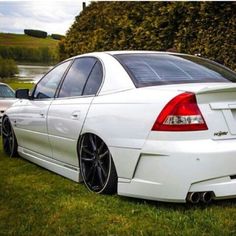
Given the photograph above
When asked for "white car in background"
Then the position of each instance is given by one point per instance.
(7, 98)
(150, 125)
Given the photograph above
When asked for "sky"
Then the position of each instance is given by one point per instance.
(52, 16)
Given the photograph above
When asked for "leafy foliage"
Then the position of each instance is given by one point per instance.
(36, 33)
(24, 54)
(206, 28)
(57, 36)
(8, 68)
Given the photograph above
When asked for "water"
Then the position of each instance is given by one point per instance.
(32, 72)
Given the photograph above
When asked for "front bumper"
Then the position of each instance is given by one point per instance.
(169, 170)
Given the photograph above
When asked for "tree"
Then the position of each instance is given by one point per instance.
(208, 28)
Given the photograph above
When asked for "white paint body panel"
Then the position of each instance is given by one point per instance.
(152, 165)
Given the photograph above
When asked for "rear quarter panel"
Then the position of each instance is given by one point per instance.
(124, 120)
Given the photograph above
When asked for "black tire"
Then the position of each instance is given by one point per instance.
(96, 165)
(9, 141)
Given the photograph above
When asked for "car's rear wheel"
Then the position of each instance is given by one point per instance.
(8, 138)
(96, 165)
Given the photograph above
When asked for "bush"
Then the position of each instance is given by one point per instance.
(23, 54)
(207, 28)
(8, 68)
(57, 36)
(35, 33)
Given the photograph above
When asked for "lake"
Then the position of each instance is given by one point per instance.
(32, 72)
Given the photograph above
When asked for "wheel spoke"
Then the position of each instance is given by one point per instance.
(4, 133)
(5, 130)
(103, 154)
(101, 147)
(90, 172)
(87, 151)
(103, 170)
(87, 159)
(6, 143)
(92, 180)
(10, 144)
(92, 141)
(100, 177)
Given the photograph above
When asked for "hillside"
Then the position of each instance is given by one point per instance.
(22, 40)
(24, 48)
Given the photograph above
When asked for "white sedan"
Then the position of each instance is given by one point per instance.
(150, 125)
(7, 98)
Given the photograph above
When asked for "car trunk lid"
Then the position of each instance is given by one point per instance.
(218, 104)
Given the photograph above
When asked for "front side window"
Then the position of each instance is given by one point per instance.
(148, 69)
(6, 92)
(47, 86)
(76, 77)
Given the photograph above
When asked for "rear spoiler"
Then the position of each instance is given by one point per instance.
(217, 89)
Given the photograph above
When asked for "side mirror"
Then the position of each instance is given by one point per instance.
(22, 93)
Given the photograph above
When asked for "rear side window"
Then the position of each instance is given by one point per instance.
(156, 69)
(76, 77)
(94, 80)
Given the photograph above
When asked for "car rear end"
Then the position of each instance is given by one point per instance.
(190, 152)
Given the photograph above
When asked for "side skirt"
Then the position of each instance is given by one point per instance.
(66, 170)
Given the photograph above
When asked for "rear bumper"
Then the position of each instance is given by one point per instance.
(168, 170)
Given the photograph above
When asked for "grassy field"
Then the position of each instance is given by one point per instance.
(16, 84)
(21, 40)
(34, 201)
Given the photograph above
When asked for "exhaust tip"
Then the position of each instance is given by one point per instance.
(194, 197)
(206, 197)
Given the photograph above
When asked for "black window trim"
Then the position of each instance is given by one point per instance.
(62, 79)
(82, 95)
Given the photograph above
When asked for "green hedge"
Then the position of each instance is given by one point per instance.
(207, 28)
(8, 68)
(23, 54)
(35, 33)
(57, 36)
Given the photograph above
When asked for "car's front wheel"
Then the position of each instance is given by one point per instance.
(9, 141)
(96, 165)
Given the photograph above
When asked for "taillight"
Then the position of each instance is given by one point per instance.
(180, 114)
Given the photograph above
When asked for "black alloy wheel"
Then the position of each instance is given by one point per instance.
(96, 165)
(8, 138)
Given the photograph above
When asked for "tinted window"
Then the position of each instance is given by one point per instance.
(47, 87)
(154, 69)
(94, 80)
(76, 77)
(6, 92)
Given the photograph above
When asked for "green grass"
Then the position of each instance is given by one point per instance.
(21, 40)
(34, 201)
(17, 84)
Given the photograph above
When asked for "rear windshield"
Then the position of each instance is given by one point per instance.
(147, 69)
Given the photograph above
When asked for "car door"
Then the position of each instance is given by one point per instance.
(32, 118)
(68, 111)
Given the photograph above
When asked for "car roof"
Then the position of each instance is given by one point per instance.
(113, 53)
